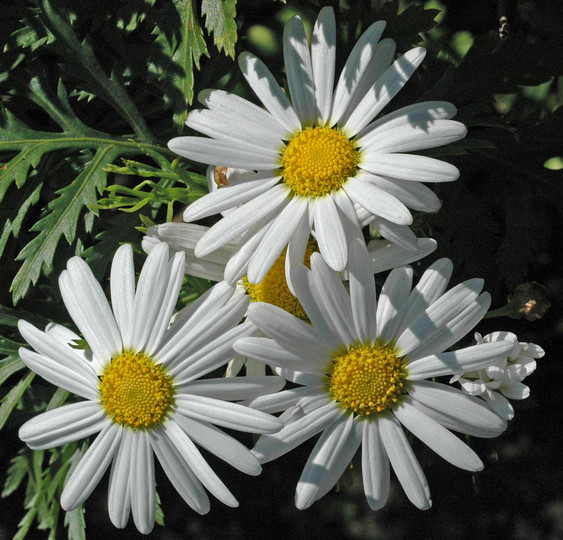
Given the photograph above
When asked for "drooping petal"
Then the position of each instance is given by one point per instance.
(330, 233)
(119, 491)
(375, 467)
(234, 389)
(386, 255)
(393, 299)
(143, 495)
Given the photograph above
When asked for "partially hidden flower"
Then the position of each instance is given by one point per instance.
(320, 162)
(498, 383)
(139, 381)
(364, 370)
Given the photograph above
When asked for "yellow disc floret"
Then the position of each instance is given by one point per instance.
(367, 380)
(136, 392)
(273, 288)
(318, 160)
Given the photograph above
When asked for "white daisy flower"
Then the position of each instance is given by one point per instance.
(502, 380)
(366, 367)
(139, 384)
(321, 161)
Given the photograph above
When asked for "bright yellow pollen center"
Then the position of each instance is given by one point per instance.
(318, 161)
(367, 380)
(135, 391)
(273, 288)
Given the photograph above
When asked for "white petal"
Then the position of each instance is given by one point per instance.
(270, 447)
(385, 255)
(276, 239)
(119, 491)
(195, 461)
(375, 466)
(377, 200)
(281, 401)
(122, 282)
(235, 126)
(323, 58)
(429, 288)
(460, 361)
(328, 460)
(414, 136)
(65, 424)
(268, 91)
(362, 292)
(384, 89)
(89, 471)
(348, 216)
(330, 233)
(225, 153)
(58, 374)
(516, 390)
(299, 70)
(404, 462)
(456, 410)
(234, 389)
(143, 495)
(438, 438)
(398, 234)
(179, 473)
(354, 69)
(296, 248)
(89, 309)
(220, 444)
(269, 203)
(231, 195)
(392, 302)
(500, 405)
(409, 167)
(229, 415)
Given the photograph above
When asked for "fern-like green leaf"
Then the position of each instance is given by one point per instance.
(220, 21)
(13, 397)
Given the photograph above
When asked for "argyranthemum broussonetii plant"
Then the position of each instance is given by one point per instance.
(364, 368)
(139, 382)
(321, 162)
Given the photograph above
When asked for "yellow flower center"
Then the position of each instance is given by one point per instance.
(318, 161)
(273, 288)
(367, 380)
(135, 391)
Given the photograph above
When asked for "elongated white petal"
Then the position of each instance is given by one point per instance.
(179, 473)
(122, 284)
(269, 92)
(270, 447)
(375, 466)
(89, 309)
(230, 415)
(269, 203)
(119, 491)
(65, 424)
(409, 167)
(227, 153)
(89, 471)
(232, 195)
(195, 461)
(323, 59)
(276, 239)
(328, 460)
(143, 495)
(282, 401)
(235, 127)
(460, 361)
(354, 69)
(456, 410)
(438, 438)
(58, 374)
(377, 200)
(384, 89)
(393, 299)
(231, 104)
(385, 255)
(404, 462)
(220, 444)
(47, 345)
(330, 233)
(296, 248)
(234, 389)
(299, 70)
(348, 215)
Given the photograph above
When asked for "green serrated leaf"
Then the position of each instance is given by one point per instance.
(12, 363)
(62, 219)
(13, 397)
(220, 21)
(25, 524)
(17, 471)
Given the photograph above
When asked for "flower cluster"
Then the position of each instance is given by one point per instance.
(300, 178)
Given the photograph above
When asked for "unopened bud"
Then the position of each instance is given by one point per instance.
(529, 300)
